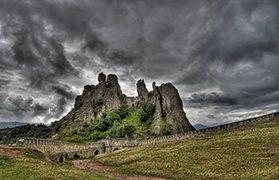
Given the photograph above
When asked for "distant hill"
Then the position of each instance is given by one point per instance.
(10, 135)
(4, 125)
(200, 126)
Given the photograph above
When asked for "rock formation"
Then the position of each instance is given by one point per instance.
(141, 89)
(97, 100)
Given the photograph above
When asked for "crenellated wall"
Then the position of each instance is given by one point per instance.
(201, 133)
(71, 150)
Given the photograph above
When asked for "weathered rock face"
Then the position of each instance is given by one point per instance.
(94, 101)
(101, 77)
(98, 99)
(169, 108)
(172, 108)
(141, 89)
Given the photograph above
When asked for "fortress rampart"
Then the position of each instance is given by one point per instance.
(200, 133)
(71, 150)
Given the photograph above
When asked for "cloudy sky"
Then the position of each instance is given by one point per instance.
(222, 55)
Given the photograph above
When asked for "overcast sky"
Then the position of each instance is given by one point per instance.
(222, 55)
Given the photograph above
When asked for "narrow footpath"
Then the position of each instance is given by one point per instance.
(97, 167)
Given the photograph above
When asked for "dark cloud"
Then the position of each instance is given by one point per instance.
(60, 107)
(21, 109)
(210, 116)
(211, 99)
(64, 92)
(3, 82)
(39, 109)
(50, 49)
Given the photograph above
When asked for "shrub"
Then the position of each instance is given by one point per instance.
(146, 113)
(76, 138)
(151, 93)
(96, 105)
(166, 128)
(113, 116)
(101, 124)
(123, 111)
(125, 130)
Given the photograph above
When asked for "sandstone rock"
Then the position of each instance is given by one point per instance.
(172, 108)
(102, 77)
(98, 99)
(141, 89)
(154, 86)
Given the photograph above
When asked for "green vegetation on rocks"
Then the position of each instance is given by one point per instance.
(120, 123)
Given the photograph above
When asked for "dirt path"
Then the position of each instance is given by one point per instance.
(97, 167)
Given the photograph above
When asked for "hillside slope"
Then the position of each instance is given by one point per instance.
(18, 163)
(10, 135)
(250, 152)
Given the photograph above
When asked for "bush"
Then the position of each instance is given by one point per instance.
(123, 111)
(125, 130)
(76, 138)
(146, 113)
(151, 93)
(96, 105)
(101, 124)
(113, 116)
(166, 128)
(97, 135)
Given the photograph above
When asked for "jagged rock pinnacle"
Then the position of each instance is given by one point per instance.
(154, 86)
(97, 100)
(141, 89)
(102, 77)
(112, 79)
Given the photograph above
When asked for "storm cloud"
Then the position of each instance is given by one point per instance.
(221, 55)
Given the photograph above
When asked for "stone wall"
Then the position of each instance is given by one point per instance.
(200, 133)
(71, 150)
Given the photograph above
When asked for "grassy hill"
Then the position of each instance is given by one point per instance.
(18, 163)
(250, 152)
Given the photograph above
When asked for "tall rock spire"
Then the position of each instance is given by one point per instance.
(101, 77)
(141, 89)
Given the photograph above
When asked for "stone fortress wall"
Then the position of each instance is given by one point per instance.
(71, 150)
(200, 133)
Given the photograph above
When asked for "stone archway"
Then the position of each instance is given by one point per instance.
(61, 159)
(96, 152)
(76, 156)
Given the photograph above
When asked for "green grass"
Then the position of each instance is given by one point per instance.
(16, 163)
(250, 152)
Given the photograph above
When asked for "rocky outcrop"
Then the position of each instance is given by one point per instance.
(172, 108)
(93, 102)
(141, 89)
(169, 108)
(102, 77)
(97, 100)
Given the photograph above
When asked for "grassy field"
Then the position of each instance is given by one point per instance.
(251, 152)
(21, 164)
